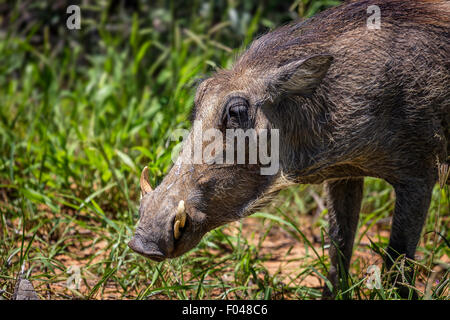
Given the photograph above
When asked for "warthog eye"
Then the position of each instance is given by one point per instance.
(236, 113)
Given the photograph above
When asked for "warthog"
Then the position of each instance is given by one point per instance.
(349, 101)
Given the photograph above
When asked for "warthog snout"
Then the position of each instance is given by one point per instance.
(163, 222)
(147, 249)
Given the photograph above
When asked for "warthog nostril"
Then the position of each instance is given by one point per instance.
(136, 244)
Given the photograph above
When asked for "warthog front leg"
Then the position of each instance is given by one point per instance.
(344, 203)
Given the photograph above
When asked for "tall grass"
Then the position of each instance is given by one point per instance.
(82, 111)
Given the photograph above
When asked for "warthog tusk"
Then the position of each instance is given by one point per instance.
(180, 219)
(145, 185)
(176, 229)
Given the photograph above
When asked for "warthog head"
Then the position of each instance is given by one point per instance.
(198, 196)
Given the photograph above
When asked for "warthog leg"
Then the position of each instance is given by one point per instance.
(411, 206)
(344, 204)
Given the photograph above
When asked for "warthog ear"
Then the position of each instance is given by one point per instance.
(302, 76)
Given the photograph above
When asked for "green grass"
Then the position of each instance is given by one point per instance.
(78, 122)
